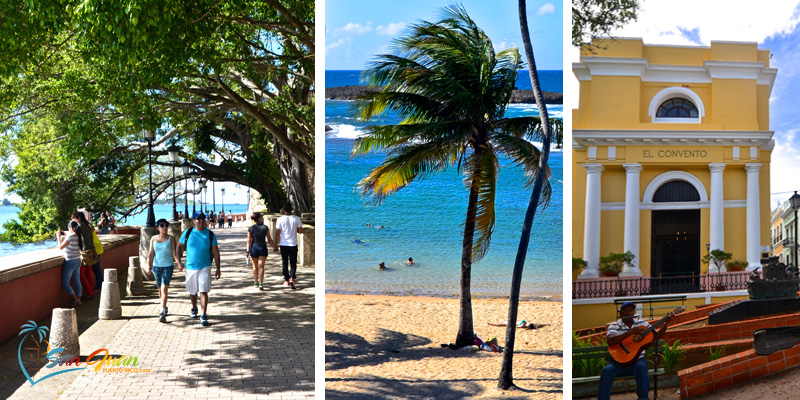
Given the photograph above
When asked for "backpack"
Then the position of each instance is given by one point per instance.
(210, 240)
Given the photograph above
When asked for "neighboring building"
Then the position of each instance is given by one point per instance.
(671, 155)
(777, 231)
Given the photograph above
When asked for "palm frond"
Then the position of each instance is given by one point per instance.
(482, 169)
(382, 137)
(527, 155)
(405, 164)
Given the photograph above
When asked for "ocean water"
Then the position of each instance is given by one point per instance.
(161, 211)
(551, 81)
(424, 220)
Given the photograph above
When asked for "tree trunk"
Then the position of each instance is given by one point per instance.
(506, 379)
(297, 184)
(466, 331)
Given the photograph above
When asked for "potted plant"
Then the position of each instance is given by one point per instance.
(736, 265)
(718, 258)
(578, 265)
(612, 264)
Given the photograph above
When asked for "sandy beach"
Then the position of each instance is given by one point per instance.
(389, 347)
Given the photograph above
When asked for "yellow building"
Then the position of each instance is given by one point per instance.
(777, 232)
(671, 151)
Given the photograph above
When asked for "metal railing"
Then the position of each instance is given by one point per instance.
(640, 286)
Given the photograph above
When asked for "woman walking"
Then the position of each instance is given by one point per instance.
(88, 254)
(161, 260)
(71, 244)
(221, 219)
(257, 236)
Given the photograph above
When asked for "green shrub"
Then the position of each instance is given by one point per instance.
(613, 262)
(716, 354)
(586, 367)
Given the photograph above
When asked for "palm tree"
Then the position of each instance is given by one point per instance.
(451, 89)
(506, 380)
(29, 329)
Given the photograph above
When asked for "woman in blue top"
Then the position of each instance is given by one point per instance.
(161, 259)
(71, 244)
(257, 236)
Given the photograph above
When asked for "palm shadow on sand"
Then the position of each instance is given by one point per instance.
(344, 350)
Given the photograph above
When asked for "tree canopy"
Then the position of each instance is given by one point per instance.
(591, 18)
(230, 80)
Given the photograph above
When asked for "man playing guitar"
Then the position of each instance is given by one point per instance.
(628, 325)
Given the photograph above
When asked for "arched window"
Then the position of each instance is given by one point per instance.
(676, 105)
(677, 108)
(674, 191)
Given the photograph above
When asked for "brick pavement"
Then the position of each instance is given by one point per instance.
(260, 343)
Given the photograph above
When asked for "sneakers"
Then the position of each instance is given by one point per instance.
(193, 313)
(260, 285)
(291, 283)
(162, 317)
(204, 320)
(255, 284)
(285, 284)
(166, 310)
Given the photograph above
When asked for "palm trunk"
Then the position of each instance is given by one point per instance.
(506, 379)
(466, 331)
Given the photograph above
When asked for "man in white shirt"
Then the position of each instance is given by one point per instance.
(286, 229)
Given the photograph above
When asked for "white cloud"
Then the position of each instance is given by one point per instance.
(338, 43)
(547, 8)
(783, 166)
(660, 22)
(390, 30)
(353, 28)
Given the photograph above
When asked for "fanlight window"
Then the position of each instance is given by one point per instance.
(677, 108)
(676, 191)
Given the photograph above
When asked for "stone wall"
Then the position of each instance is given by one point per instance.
(30, 283)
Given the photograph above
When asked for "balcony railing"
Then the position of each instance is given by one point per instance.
(640, 286)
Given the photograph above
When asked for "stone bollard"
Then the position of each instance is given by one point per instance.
(307, 218)
(305, 242)
(110, 305)
(135, 278)
(175, 229)
(144, 245)
(64, 332)
(271, 220)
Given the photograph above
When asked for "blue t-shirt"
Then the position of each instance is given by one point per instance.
(198, 255)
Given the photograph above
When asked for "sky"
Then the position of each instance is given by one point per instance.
(773, 25)
(355, 30)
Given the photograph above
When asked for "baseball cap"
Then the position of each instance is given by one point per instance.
(627, 303)
(198, 215)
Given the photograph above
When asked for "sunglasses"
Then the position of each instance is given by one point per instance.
(164, 226)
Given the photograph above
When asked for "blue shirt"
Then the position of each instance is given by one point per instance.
(198, 251)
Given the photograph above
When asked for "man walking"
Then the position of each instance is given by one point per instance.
(286, 229)
(200, 244)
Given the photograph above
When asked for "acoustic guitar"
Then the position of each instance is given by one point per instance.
(627, 352)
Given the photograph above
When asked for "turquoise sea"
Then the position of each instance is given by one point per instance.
(423, 221)
(161, 211)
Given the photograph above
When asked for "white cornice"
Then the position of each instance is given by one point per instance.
(630, 66)
(586, 137)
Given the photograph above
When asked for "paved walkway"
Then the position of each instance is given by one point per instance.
(260, 343)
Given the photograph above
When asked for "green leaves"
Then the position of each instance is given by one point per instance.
(451, 91)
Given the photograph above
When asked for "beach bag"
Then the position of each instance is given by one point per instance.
(98, 247)
(89, 257)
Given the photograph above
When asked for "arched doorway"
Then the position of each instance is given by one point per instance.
(675, 239)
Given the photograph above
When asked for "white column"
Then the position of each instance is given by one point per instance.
(591, 222)
(716, 224)
(631, 241)
(753, 223)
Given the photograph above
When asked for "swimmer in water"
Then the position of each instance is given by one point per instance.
(379, 227)
(356, 241)
(410, 261)
(381, 266)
